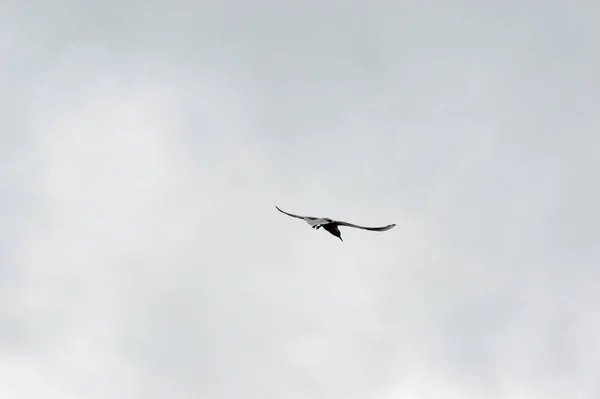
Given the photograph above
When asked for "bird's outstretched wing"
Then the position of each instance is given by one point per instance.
(306, 218)
(383, 228)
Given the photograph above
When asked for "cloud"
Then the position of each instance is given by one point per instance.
(142, 255)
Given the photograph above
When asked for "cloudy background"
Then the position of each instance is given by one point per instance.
(143, 146)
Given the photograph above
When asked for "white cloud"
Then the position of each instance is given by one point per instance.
(143, 255)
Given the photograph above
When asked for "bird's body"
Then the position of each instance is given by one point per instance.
(332, 226)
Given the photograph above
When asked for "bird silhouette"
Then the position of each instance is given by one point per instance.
(332, 226)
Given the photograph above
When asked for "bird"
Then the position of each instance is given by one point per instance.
(332, 226)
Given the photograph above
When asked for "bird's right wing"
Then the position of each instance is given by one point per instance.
(305, 218)
(383, 228)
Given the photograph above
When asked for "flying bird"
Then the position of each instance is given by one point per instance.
(332, 226)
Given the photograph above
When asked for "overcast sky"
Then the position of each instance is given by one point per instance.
(144, 145)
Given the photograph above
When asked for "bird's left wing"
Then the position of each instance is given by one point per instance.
(306, 218)
(383, 228)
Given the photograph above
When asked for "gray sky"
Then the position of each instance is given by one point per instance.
(143, 146)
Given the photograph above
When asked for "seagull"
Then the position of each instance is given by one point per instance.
(332, 225)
